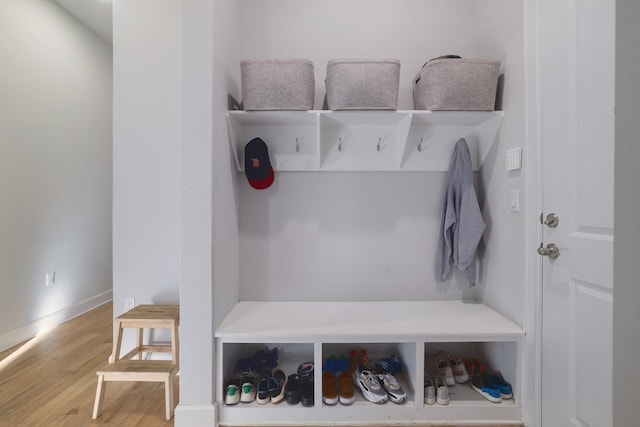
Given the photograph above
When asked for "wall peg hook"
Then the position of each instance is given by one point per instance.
(340, 144)
(420, 145)
(297, 146)
(379, 143)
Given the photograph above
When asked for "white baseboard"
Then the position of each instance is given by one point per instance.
(30, 330)
(195, 416)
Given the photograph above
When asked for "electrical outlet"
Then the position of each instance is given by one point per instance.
(50, 279)
(129, 303)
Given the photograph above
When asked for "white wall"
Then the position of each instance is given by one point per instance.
(626, 294)
(413, 31)
(354, 236)
(502, 276)
(146, 152)
(55, 167)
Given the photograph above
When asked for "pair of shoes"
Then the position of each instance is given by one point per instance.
(458, 369)
(387, 378)
(365, 379)
(481, 383)
(271, 386)
(438, 366)
(391, 364)
(435, 390)
(337, 385)
(241, 388)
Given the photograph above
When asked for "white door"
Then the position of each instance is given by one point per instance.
(576, 65)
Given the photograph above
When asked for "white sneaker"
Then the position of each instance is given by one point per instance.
(366, 381)
(458, 369)
(429, 391)
(391, 385)
(442, 391)
(438, 365)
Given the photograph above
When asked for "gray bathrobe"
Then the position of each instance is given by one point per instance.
(461, 222)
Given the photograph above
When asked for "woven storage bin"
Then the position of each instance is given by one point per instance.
(277, 84)
(363, 84)
(456, 84)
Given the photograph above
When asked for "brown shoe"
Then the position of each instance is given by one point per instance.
(329, 388)
(347, 394)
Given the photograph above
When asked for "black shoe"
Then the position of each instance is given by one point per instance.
(305, 369)
(263, 395)
(307, 391)
(277, 384)
(293, 392)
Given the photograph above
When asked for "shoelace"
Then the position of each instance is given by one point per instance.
(370, 379)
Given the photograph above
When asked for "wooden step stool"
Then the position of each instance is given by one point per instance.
(132, 366)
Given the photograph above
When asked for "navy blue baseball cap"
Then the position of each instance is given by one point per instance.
(257, 166)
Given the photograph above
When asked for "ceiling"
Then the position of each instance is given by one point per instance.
(95, 14)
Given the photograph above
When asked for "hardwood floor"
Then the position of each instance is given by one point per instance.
(51, 380)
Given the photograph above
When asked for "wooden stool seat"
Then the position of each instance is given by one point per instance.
(132, 367)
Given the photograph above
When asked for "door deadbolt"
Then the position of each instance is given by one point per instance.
(551, 250)
(551, 221)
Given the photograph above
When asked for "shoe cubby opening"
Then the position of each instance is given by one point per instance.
(289, 358)
(498, 357)
(404, 352)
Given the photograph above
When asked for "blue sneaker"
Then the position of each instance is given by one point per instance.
(497, 381)
(481, 384)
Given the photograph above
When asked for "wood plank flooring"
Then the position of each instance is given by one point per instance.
(50, 381)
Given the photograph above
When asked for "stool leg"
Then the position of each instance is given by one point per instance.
(97, 405)
(168, 397)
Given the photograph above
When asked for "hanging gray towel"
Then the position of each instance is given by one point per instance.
(461, 222)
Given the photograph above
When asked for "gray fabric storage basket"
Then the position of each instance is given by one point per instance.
(363, 84)
(277, 84)
(456, 84)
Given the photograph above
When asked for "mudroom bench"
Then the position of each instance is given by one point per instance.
(313, 331)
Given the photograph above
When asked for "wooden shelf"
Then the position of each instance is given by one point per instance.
(322, 140)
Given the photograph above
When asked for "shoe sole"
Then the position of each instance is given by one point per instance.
(330, 400)
(347, 400)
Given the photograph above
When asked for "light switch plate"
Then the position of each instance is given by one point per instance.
(515, 201)
(514, 159)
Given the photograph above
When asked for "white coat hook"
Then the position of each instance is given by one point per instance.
(379, 143)
(297, 146)
(420, 144)
(340, 144)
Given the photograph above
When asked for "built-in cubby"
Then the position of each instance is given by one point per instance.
(313, 331)
(339, 253)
